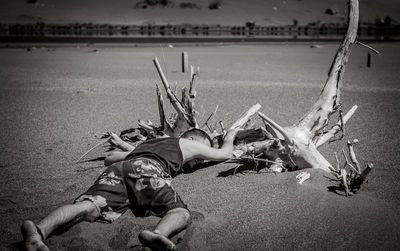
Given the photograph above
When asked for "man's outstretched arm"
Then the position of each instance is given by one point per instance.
(195, 150)
(114, 157)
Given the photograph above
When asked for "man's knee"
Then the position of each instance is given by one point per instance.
(90, 210)
(185, 214)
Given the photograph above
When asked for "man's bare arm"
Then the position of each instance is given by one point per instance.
(114, 157)
(195, 150)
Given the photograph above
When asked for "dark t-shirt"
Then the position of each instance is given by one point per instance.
(165, 150)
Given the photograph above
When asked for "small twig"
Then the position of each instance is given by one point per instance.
(368, 47)
(247, 115)
(215, 111)
(91, 149)
(353, 156)
(222, 127)
(208, 127)
(348, 162)
(193, 75)
(268, 134)
(234, 170)
(257, 159)
(215, 126)
(291, 160)
(343, 175)
(336, 128)
(277, 127)
(209, 118)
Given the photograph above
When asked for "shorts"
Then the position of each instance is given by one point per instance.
(140, 184)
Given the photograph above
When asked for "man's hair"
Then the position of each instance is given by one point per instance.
(195, 132)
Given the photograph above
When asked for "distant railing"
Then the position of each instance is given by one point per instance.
(316, 31)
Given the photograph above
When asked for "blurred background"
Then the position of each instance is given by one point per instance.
(124, 20)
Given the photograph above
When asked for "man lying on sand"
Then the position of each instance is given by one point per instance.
(141, 182)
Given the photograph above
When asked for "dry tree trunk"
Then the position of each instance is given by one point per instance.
(301, 140)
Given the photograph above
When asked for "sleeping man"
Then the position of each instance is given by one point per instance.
(141, 181)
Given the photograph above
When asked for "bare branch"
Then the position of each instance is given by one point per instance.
(368, 47)
(222, 127)
(270, 130)
(91, 149)
(171, 96)
(353, 156)
(164, 123)
(343, 175)
(193, 76)
(185, 98)
(277, 127)
(268, 134)
(348, 162)
(278, 163)
(209, 117)
(243, 120)
(328, 102)
(336, 128)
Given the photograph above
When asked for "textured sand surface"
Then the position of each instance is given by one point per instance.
(53, 103)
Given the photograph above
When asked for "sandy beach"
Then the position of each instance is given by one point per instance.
(55, 100)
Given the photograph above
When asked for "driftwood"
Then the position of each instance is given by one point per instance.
(283, 148)
(91, 149)
(301, 140)
(350, 179)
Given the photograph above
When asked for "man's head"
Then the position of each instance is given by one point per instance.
(197, 135)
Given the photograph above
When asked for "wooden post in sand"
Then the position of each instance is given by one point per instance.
(369, 60)
(185, 61)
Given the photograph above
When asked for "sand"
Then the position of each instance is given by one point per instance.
(54, 103)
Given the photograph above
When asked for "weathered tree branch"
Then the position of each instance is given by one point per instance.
(165, 127)
(186, 114)
(245, 118)
(317, 118)
(353, 156)
(300, 148)
(171, 96)
(277, 127)
(336, 128)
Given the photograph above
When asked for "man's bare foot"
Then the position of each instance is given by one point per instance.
(32, 238)
(156, 241)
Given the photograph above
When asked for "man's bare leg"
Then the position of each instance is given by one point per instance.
(34, 235)
(173, 222)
